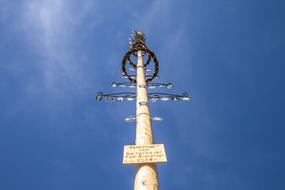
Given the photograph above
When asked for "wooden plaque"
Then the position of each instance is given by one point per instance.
(139, 154)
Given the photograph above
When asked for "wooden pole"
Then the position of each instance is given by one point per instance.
(146, 177)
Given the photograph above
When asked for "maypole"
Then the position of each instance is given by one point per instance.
(144, 154)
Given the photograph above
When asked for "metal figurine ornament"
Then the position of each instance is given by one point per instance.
(144, 154)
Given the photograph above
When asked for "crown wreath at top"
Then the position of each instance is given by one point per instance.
(138, 44)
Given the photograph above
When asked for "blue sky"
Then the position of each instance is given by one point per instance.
(55, 55)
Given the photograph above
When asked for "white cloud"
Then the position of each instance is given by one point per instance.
(51, 27)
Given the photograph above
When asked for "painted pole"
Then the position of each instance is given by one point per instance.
(146, 177)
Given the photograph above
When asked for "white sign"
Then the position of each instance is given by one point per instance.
(138, 154)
